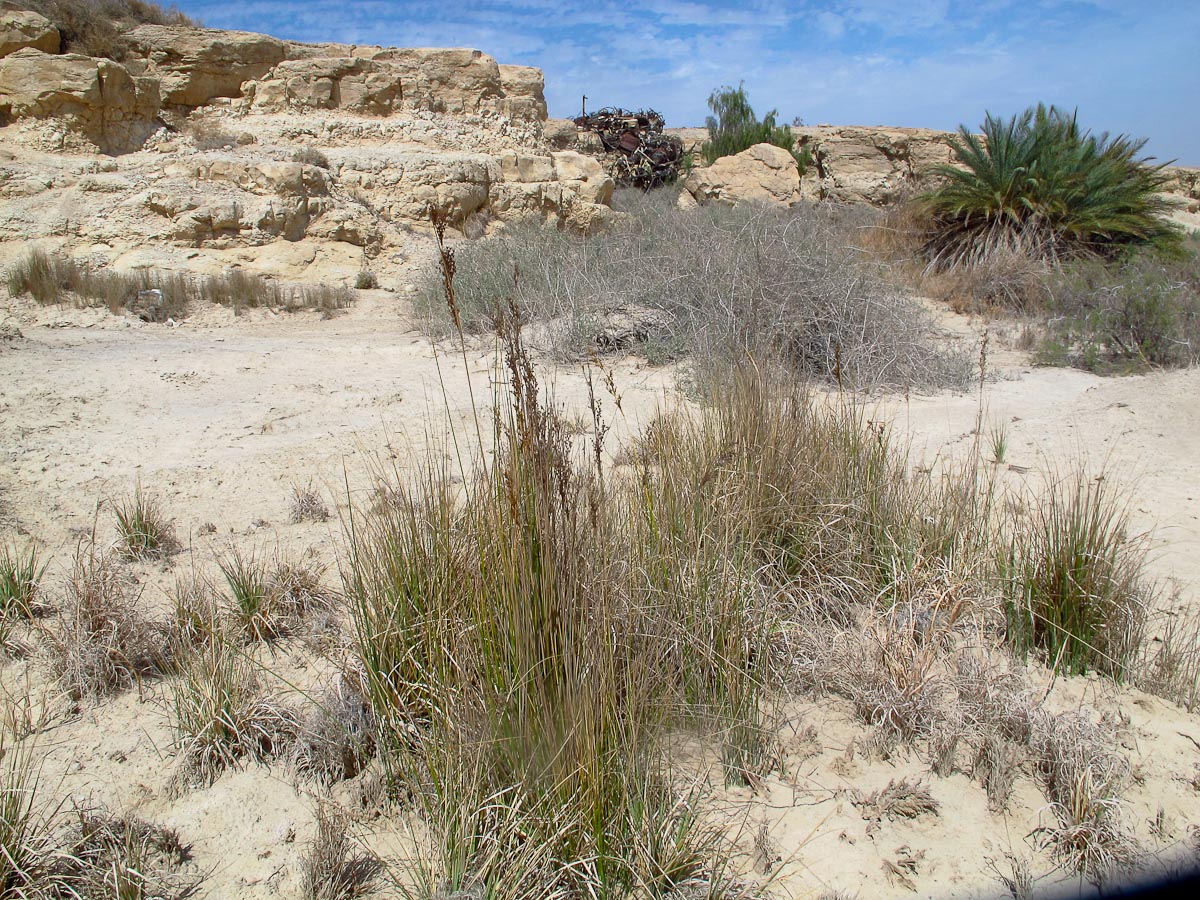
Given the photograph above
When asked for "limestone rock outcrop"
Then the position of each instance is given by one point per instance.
(20, 28)
(353, 84)
(195, 65)
(761, 174)
(524, 90)
(96, 99)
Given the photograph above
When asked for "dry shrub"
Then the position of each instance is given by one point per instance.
(98, 27)
(1084, 779)
(899, 800)
(224, 715)
(712, 285)
(330, 869)
(102, 641)
(307, 505)
(311, 156)
(337, 737)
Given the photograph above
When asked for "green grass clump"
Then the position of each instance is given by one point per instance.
(734, 127)
(26, 834)
(1074, 580)
(143, 528)
(20, 575)
(1038, 186)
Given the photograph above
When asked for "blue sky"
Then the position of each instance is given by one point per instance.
(1128, 67)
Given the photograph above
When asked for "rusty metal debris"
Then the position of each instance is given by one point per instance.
(639, 154)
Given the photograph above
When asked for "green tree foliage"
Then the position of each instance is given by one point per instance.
(734, 127)
(1038, 186)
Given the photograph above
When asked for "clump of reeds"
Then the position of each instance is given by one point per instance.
(1074, 579)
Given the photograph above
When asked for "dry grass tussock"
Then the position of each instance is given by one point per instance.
(711, 285)
(46, 852)
(268, 599)
(158, 295)
(144, 531)
(102, 641)
(224, 714)
(331, 868)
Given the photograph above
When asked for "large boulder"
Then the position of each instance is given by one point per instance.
(96, 99)
(584, 176)
(354, 84)
(762, 174)
(871, 165)
(197, 64)
(20, 28)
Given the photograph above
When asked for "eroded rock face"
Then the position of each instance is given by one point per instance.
(94, 98)
(761, 174)
(195, 65)
(352, 84)
(20, 28)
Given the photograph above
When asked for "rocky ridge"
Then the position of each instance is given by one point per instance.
(204, 144)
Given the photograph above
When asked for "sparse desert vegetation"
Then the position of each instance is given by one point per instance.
(668, 544)
(157, 295)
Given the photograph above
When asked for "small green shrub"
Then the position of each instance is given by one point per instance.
(1074, 580)
(1039, 186)
(1139, 312)
(734, 127)
(365, 280)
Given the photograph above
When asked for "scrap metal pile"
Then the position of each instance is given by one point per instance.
(639, 153)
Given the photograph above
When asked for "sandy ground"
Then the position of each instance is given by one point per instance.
(220, 419)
